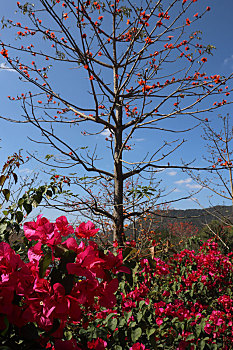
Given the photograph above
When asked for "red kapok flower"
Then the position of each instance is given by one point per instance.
(86, 230)
(4, 52)
(204, 59)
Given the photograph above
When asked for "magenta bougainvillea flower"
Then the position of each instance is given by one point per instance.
(63, 227)
(86, 230)
(42, 230)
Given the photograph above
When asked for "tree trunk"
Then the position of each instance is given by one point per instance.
(118, 230)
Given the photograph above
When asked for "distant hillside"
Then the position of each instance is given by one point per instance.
(198, 217)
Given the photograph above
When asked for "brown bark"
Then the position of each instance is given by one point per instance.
(118, 217)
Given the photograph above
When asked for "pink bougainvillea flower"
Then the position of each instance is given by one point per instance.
(6, 299)
(84, 292)
(63, 227)
(43, 231)
(41, 305)
(39, 230)
(86, 230)
(159, 321)
(71, 244)
(35, 252)
(108, 298)
(9, 261)
(64, 304)
(88, 264)
(115, 263)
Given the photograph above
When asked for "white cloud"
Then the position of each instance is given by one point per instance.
(172, 173)
(228, 59)
(26, 171)
(180, 182)
(160, 170)
(176, 190)
(3, 66)
(105, 132)
(139, 140)
(193, 186)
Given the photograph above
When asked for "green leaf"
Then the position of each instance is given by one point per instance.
(202, 344)
(19, 216)
(6, 193)
(54, 189)
(150, 331)
(108, 317)
(139, 316)
(122, 322)
(2, 179)
(37, 198)
(48, 156)
(49, 194)
(136, 334)
(68, 335)
(198, 329)
(133, 324)
(44, 264)
(3, 226)
(190, 337)
(141, 303)
(5, 166)
(128, 315)
(27, 207)
(15, 177)
(112, 324)
(20, 202)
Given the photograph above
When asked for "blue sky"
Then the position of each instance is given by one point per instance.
(217, 28)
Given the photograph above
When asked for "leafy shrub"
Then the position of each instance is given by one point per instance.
(183, 303)
(76, 296)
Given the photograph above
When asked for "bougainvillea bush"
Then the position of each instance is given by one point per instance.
(70, 295)
(56, 286)
(181, 302)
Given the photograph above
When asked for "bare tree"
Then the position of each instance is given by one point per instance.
(145, 69)
(220, 153)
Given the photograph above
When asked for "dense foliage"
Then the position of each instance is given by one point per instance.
(70, 295)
